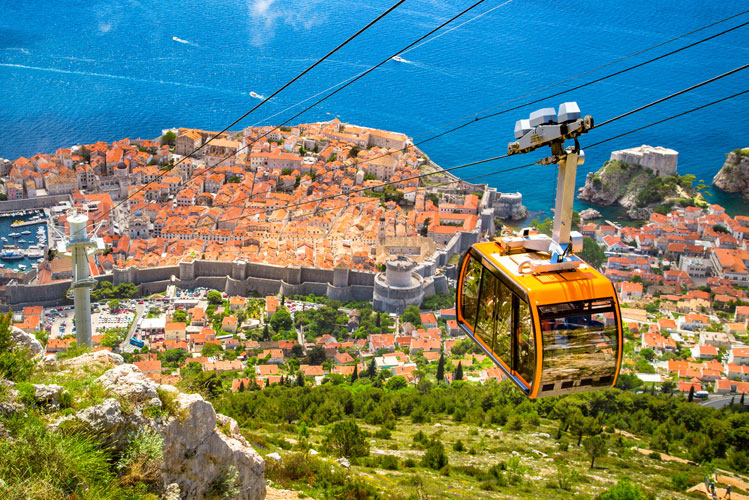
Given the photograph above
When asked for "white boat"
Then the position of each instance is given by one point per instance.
(398, 58)
(25, 233)
(3, 238)
(14, 235)
(22, 267)
(22, 241)
(256, 95)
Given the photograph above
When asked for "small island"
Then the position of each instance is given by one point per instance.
(642, 180)
(733, 177)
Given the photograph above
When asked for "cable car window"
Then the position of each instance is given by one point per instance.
(470, 295)
(503, 347)
(579, 341)
(526, 361)
(487, 302)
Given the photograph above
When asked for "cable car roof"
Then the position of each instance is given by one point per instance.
(550, 287)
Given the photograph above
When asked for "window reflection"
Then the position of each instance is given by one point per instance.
(578, 343)
(471, 291)
(487, 305)
(526, 360)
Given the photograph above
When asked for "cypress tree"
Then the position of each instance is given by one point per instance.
(355, 375)
(299, 379)
(378, 321)
(241, 386)
(690, 398)
(266, 332)
(283, 300)
(459, 371)
(441, 368)
(372, 369)
(742, 399)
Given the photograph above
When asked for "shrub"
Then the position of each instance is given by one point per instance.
(623, 490)
(458, 446)
(680, 482)
(515, 423)
(383, 433)
(435, 457)
(347, 439)
(409, 463)
(142, 459)
(15, 362)
(390, 462)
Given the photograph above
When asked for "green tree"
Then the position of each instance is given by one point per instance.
(126, 291)
(595, 446)
(458, 371)
(281, 319)
(211, 349)
(690, 398)
(648, 353)
(266, 332)
(179, 316)
(396, 382)
(543, 227)
(592, 253)
(412, 315)
(346, 439)
(214, 297)
(299, 379)
(372, 369)
(114, 304)
(424, 231)
(169, 138)
(113, 337)
(441, 368)
(355, 375)
(316, 355)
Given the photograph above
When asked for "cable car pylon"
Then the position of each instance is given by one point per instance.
(547, 319)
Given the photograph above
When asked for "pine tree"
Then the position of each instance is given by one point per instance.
(441, 368)
(372, 369)
(355, 375)
(299, 379)
(690, 398)
(459, 372)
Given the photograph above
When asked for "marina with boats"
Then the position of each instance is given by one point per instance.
(23, 239)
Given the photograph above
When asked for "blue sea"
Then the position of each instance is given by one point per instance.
(79, 71)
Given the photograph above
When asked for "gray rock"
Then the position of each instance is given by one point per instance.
(196, 455)
(9, 406)
(343, 462)
(590, 214)
(108, 421)
(128, 381)
(48, 395)
(273, 456)
(171, 492)
(733, 177)
(26, 340)
(101, 359)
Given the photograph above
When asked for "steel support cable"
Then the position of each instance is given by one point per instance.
(478, 119)
(583, 85)
(648, 49)
(208, 170)
(283, 87)
(420, 176)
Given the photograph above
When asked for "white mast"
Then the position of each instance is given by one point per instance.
(79, 247)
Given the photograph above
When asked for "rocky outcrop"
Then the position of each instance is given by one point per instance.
(26, 340)
(635, 188)
(733, 177)
(590, 214)
(197, 456)
(93, 360)
(48, 395)
(9, 404)
(127, 381)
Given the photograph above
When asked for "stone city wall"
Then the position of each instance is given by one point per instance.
(34, 203)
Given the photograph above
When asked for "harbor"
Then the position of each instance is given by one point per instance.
(23, 239)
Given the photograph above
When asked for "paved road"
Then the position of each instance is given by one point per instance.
(721, 401)
(126, 346)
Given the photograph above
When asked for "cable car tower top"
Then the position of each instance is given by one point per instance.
(547, 128)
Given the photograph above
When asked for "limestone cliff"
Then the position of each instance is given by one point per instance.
(633, 187)
(733, 177)
(201, 454)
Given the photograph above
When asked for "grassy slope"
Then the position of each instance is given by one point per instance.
(486, 447)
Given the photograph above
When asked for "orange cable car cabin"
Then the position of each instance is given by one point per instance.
(551, 333)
